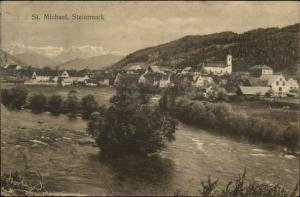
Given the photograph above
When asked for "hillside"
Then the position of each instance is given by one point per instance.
(277, 47)
(36, 60)
(97, 62)
(7, 59)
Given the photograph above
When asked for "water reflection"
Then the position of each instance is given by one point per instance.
(140, 172)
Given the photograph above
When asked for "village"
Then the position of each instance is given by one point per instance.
(207, 78)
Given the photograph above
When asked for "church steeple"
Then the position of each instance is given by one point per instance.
(229, 58)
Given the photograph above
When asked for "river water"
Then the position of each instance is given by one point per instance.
(69, 167)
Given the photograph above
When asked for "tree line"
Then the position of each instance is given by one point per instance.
(222, 118)
(17, 98)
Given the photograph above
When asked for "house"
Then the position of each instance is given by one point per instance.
(155, 76)
(73, 77)
(66, 82)
(255, 90)
(200, 81)
(13, 67)
(91, 82)
(293, 84)
(44, 77)
(259, 70)
(165, 81)
(218, 67)
(278, 84)
(151, 78)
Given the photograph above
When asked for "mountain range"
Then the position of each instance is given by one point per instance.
(40, 61)
(276, 47)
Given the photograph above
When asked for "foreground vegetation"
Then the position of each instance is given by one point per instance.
(240, 187)
(222, 118)
(15, 184)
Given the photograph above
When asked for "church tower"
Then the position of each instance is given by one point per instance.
(229, 62)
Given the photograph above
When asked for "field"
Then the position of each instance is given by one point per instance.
(281, 115)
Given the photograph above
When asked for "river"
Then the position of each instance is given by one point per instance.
(69, 167)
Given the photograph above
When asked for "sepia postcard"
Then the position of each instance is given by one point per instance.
(150, 98)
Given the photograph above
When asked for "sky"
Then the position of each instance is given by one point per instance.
(129, 26)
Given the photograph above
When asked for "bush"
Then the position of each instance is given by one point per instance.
(37, 103)
(128, 126)
(240, 187)
(88, 106)
(14, 184)
(6, 97)
(55, 104)
(14, 98)
(71, 105)
(222, 118)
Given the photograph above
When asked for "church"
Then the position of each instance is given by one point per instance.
(219, 67)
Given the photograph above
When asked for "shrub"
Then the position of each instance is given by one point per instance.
(223, 118)
(88, 106)
(240, 187)
(6, 97)
(38, 103)
(128, 126)
(14, 98)
(71, 105)
(14, 184)
(55, 104)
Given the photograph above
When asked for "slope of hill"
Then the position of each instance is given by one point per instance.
(97, 62)
(277, 47)
(36, 60)
(7, 59)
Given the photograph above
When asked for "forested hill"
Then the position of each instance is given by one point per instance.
(277, 47)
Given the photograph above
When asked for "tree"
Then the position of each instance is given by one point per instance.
(55, 104)
(18, 97)
(38, 102)
(128, 126)
(71, 105)
(88, 106)
(6, 97)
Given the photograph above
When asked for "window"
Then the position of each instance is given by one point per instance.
(277, 83)
(283, 83)
(280, 79)
(280, 89)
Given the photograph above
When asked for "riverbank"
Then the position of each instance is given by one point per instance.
(223, 118)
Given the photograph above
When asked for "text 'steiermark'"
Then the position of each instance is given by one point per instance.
(67, 17)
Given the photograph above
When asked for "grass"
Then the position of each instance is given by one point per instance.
(15, 184)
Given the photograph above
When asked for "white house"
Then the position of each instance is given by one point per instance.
(260, 70)
(91, 82)
(165, 81)
(66, 82)
(70, 77)
(155, 76)
(200, 81)
(293, 84)
(44, 78)
(279, 86)
(219, 67)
